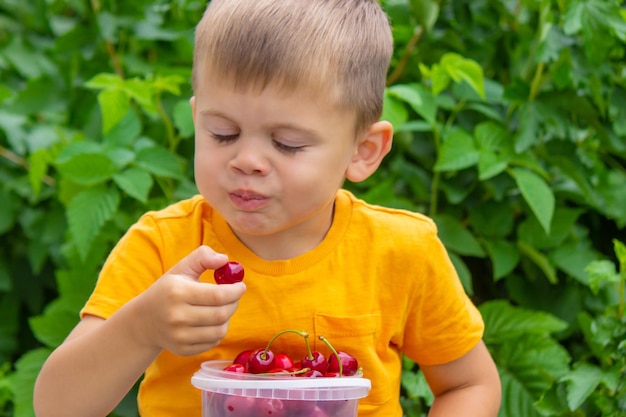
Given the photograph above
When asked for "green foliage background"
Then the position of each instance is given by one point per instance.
(511, 133)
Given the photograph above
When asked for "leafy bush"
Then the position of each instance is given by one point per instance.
(510, 125)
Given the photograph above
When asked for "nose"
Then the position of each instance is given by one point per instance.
(250, 157)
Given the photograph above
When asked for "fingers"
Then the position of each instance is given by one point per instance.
(198, 261)
(205, 294)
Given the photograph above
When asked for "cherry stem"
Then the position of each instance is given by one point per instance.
(297, 372)
(305, 335)
(323, 339)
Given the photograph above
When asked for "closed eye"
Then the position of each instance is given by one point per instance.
(225, 138)
(286, 148)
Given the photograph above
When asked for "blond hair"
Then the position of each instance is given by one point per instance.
(336, 47)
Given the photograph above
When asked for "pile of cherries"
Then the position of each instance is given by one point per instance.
(263, 361)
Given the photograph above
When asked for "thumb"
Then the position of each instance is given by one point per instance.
(198, 261)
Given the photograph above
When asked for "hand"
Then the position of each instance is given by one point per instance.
(183, 315)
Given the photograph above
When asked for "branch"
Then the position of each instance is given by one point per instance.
(404, 60)
(18, 160)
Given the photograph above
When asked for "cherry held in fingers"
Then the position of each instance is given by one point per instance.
(230, 273)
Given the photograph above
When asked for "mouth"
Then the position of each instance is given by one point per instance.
(248, 195)
(248, 200)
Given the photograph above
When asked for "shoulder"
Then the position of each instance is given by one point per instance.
(374, 218)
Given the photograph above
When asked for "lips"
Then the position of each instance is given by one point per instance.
(248, 200)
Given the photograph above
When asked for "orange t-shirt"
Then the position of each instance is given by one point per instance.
(379, 285)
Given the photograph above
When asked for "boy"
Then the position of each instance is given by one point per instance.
(286, 106)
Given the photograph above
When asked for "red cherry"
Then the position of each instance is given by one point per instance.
(270, 407)
(279, 371)
(230, 273)
(315, 361)
(302, 408)
(283, 361)
(238, 406)
(260, 361)
(242, 357)
(312, 373)
(236, 367)
(349, 364)
(335, 407)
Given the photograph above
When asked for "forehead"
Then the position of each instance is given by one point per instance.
(311, 84)
(273, 104)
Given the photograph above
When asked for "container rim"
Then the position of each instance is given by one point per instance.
(209, 380)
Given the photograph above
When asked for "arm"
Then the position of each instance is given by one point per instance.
(101, 359)
(468, 386)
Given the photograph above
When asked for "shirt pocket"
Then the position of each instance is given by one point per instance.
(357, 335)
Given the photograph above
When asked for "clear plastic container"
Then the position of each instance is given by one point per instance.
(230, 394)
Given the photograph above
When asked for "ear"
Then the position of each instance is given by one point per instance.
(371, 148)
(192, 101)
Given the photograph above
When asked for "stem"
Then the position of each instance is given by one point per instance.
(96, 6)
(404, 60)
(536, 81)
(434, 188)
(18, 160)
(323, 339)
(298, 372)
(305, 335)
(169, 127)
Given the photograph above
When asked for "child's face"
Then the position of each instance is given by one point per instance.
(270, 163)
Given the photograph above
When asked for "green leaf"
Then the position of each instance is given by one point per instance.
(9, 209)
(492, 219)
(88, 212)
(23, 381)
(583, 380)
(52, 327)
(573, 258)
(539, 259)
(416, 386)
(457, 152)
(136, 182)
(465, 275)
(440, 79)
(490, 164)
(183, 118)
(38, 163)
(420, 100)
(159, 161)
(75, 286)
(105, 81)
(114, 104)
(505, 322)
(5, 93)
(460, 69)
(456, 237)
(537, 194)
(393, 110)
(425, 13)
(141, 91)
(516, 400)
(88, 168)
(529, 365)
(504, 257)
(601, 271)
(563, 222)
(125, 131)
(528, 133)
